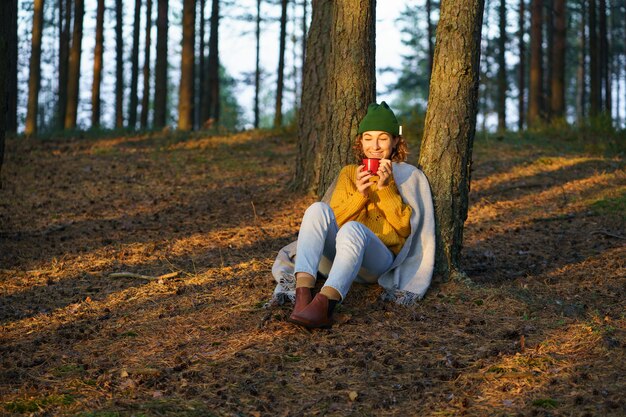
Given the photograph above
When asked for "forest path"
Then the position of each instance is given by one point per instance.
(540, 331)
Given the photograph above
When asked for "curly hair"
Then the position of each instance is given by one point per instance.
(398, 154)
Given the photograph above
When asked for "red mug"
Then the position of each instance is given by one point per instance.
(371, 164)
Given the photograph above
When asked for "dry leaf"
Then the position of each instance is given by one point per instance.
(353, 395)
(123, 373)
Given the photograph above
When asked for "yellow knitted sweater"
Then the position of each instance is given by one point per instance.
(382, 211)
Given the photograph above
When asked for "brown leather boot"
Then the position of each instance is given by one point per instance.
(318, 314)
(303, 298)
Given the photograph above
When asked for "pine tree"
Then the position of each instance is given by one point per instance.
(160, 82)
(278, 108)
(34, 81)
(97, 65)
(119, 65)
(145, 100)
(185, 97)
(134, 72)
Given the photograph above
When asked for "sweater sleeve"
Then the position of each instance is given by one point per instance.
(346, 200)
(397, 213)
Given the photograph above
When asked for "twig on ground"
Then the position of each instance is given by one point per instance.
(140, 276)
(604, 232)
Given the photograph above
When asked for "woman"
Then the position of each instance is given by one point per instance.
(369, 228)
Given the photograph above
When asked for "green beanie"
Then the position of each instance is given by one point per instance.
(379, 117)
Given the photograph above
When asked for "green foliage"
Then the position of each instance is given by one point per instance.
(611, 205)
(545, 403)
(597, 137)
(36, 404)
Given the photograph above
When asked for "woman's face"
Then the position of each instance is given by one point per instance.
(378, 144)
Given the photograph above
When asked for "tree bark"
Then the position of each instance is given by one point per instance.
(557, 83)
(34, 80)
(522, 66)
(73, 73)
(604, 59)
(339, 83)
(502, 84)
(278, 108)
(199, 108)
(119, 68)
(446, 151)
(65, 18)
(548, 29)
(145, 100)
(431, 32)
(97, 66)
(134, 72)
(10, 8)
(257, 71)
(7, 33)
(535, 102)
(160, 82)
(185, 103)
(581, 83)
(595, 93)
(213, 80)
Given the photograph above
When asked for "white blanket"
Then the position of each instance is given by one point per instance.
(410, 275)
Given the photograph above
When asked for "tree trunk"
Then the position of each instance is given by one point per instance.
(446, 151)
(185, 98)
(213, 80)
(65, 18)
(595, 93)
(73, 74)
(10, 8)
(160, 82)
(34, 80)
(548, 29)
(536, 70)
(119, 72)
(581, 83)
(604, 59)
(278, 108)
(257, 71)
(522, 66)
(431, 32)
(97, 66)
(557, 83)
(145, 100)
(339, 83)
(7, 33)
(502, 84)
(199, 109)
(305, 31)
(134, 72)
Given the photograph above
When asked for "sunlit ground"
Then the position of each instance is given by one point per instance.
(541, 331)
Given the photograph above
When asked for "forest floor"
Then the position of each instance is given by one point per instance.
(539, 331)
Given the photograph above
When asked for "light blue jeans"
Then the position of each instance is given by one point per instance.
(349, 248)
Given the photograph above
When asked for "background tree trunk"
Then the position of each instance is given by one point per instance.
(581, 82)
(65, 18)
(7, 11)
(535, 92)
(34, 80)
(160, 82)
(522, 66)
(446, 151)
(134, 72)
(10, 8)
(278, 108)
(604, 59)
(502, 84)
(199, 109)
(145, 100)
(548, 30)
(557, 83)
(431, 33)
(185, 98)
(339, 83)
(595, 83)
(257, 70)
(97, 66)
(119, 71)
(213, 79)
(73, 73)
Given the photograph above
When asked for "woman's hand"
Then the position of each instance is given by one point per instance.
(363, 180)
(385, 173)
